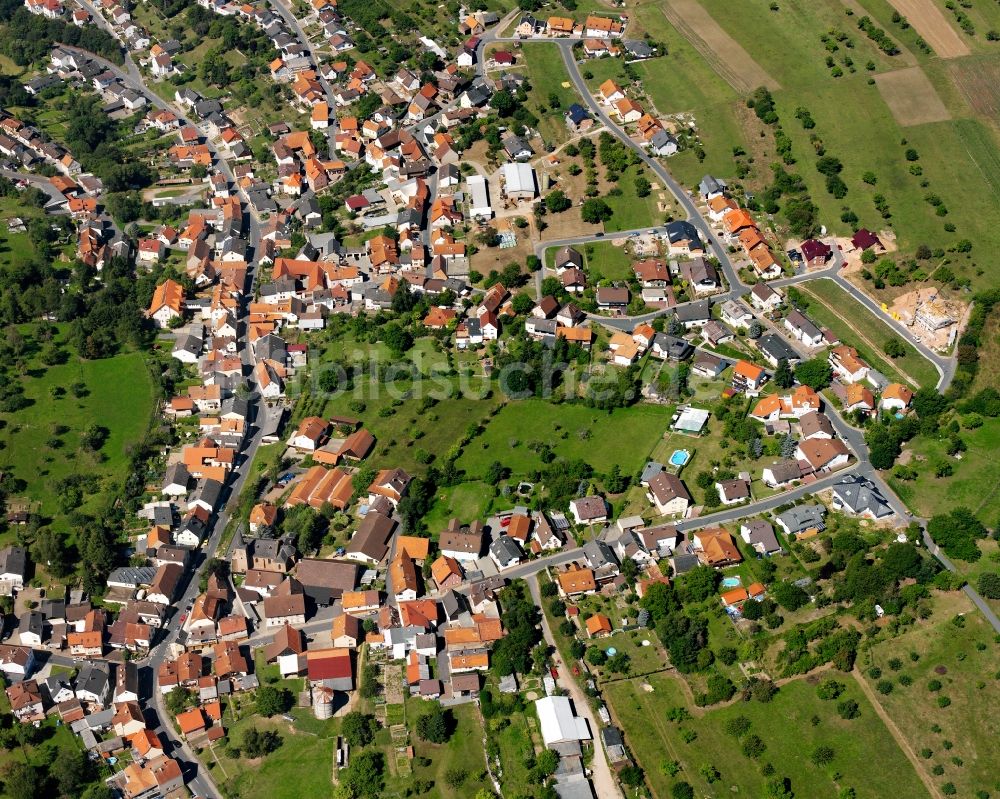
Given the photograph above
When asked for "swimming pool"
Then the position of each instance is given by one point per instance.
(611, 651)
(680, 457)
(731, 582)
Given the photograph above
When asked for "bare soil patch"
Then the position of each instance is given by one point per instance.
(725, 55)
(928, 20)
(911, 97)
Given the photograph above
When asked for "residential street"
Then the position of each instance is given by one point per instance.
(605, 785)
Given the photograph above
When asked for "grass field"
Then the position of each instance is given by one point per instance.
(974, 483)
(964, 660)
(465, 502)
(606, 261)
(464, 750)
(624, 436)
(118, 396)
(279, 775)
(785, 727)
(548, 78)
(832, 307)
(408, 429)
(630, 210)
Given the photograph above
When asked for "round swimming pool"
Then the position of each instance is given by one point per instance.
(610, 651)
(680, 457)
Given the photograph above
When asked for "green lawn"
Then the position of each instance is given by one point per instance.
(280, 775)
(465, 502)
(605, 261)
(630, 210)
(512, 735)
(119, 396)
(407, 428)
(463, 751)
(548, 78)
(785, 42)
(624, 436)
(973, 483)
(840, 312)
(969, 680)
(784, 725)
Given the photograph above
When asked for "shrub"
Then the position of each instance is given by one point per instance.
(754, 746)
(822, 755)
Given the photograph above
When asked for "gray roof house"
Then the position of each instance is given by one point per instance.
(801, 518)
(861, 497)
(505, 551)
(759, 534)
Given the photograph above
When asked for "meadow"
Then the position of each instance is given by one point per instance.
(786, 725)
(624, 436)
(962, 659)
(40, 444)
(973, 483)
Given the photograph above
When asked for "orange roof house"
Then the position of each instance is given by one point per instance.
(576, 581)
(192, 722)
(168, 300)
(598, 624)
(610, 89)
(438, 318)
(737, 220)
(716, 547)
(560, 25)
(734, 596)
(446, 572)
(417, 548)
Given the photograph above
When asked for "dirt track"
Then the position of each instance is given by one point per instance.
(930, 22)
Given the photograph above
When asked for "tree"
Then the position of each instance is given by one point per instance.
(271, 701)
(848, 709)
(397, 338)
(257, 743)
(71, 770)
(756, 330)
(783, 377)
(21, 781)
(822, 755)
(596, 656)
(894, 348)
(179, 700)
(522, 303)
(788, 595)
(556, 202)
(829, 689)
(681, 790)
(547, 763)
(815, 373)
(738, 726)
(956, 533)
(364, 777)
(504, 103)
(435, 726)
(753, 746)
(358, 728)
(595, 210)
(989, 585)
(642, 187)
